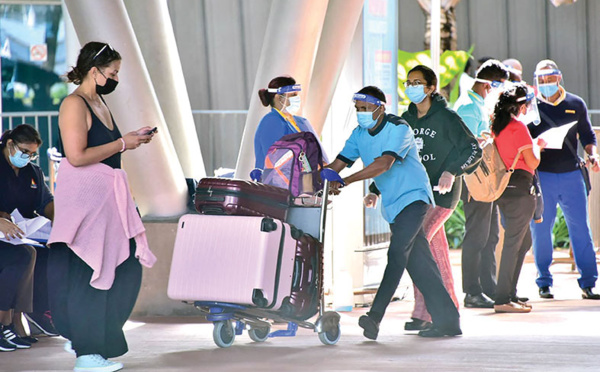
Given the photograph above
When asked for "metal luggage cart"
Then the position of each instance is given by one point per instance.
(231, 320)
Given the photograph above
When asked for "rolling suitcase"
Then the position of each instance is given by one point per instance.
(239, 197)
(240, 260)
(307, 283)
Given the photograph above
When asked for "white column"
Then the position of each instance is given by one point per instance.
(336, 38)
(72, 45)
(434, 44)
(155, 175)
(289, 48)
(152, 25)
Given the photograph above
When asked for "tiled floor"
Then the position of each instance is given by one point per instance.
(558, 335)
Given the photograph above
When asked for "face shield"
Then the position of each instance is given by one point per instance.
(532, 114)
(291, 103)
(492, 96)
(547, 81)
(364, 113)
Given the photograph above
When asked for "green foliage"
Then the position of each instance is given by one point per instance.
(560, 234)
(452, 65)
(455, 227)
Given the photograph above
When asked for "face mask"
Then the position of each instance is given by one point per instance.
(18, 160)
(548, 90)
(108, 87)
(294, 106)
(365, 119)
(415, 93)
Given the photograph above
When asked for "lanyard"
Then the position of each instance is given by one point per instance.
(290, 121)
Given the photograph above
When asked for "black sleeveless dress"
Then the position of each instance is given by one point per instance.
(99, 135)
(93, 319)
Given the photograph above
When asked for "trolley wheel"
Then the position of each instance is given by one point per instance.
(259, 334)
(223, 333)
(331, 336)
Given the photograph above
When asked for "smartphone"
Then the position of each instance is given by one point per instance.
(151, 131)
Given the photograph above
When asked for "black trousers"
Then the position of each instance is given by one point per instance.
(92, 319)
(517, 205)
(14, 260)
(410, 250)
(40, 281)
(482, 233)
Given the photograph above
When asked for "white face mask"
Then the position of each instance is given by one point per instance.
(294, 106)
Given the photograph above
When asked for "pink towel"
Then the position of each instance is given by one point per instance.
(95, 216)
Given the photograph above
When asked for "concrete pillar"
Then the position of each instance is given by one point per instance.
(155, 175)
(72, 45)
(152, 25)
(289, 48)
(336, 38)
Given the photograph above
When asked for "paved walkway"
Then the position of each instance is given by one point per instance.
(558, 335)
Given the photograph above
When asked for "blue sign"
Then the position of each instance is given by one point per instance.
(380, 48)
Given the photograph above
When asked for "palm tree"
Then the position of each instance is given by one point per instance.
(447, 24)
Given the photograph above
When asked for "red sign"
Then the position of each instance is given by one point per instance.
(38, 53)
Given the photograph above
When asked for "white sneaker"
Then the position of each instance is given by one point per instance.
(95, 363)
(69, 347)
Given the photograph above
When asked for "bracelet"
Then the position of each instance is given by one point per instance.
(124, 147)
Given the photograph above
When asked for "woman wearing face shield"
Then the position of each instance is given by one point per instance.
(97, 242)
(447, 149)
(517, 203)
(283, 96)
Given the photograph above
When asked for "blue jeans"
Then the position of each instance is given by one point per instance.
(568, 191)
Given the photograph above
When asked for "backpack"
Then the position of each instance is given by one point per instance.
(294, 163)
(489, 180)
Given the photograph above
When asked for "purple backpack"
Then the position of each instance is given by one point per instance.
(294, 163)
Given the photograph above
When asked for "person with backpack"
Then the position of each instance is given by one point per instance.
(386, 144)
(282, 95)
(447, 149)
(482, 231)
(517, 203)
(562, 176)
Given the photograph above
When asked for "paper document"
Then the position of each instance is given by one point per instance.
(555, 137)
(35, 229)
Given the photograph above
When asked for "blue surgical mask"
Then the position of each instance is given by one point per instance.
(365, 119)
(294, 106)
(18, 159)
(416, 93)
(548, 90)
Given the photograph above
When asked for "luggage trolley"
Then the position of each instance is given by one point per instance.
(231, 319)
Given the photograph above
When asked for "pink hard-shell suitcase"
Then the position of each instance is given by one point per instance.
(235, 259)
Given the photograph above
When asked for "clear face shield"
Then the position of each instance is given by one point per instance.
(532, 114)
(493, 95)
(292, 100)
(365, 106)
(547, 81)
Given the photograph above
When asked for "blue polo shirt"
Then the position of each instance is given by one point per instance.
(271, 128)
(406, 181)
(471, 109)
(26, 192)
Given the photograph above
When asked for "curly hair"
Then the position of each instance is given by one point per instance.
(508, 105)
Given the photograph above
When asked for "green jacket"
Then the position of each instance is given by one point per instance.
(445, 144)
